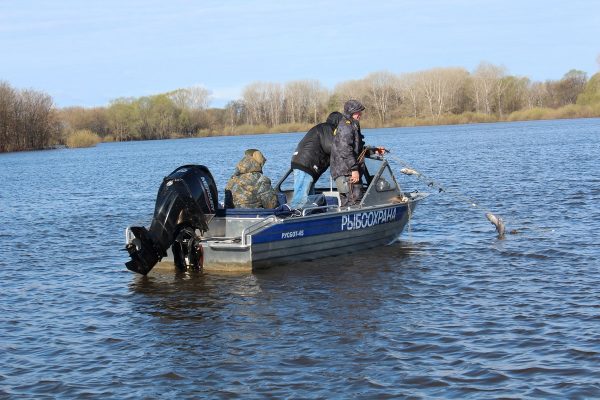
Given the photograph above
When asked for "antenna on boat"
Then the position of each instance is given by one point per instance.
(495, 220)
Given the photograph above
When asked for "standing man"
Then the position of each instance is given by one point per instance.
(348, 144)
(311, 157)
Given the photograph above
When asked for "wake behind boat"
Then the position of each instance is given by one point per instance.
(192, 230)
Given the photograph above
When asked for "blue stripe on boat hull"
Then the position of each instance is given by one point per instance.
(327, 236)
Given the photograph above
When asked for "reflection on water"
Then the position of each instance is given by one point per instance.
(448, 311)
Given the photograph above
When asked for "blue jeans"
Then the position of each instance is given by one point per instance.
(302, 188)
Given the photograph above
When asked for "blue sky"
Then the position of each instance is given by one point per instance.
(88, 53)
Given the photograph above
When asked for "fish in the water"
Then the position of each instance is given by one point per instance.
(498, 223)
(409, 171)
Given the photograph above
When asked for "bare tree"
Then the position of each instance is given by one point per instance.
(353, 89)
(441, 89)
(296, 101)
(80, 118)
(499, 89)
(488, 87)
(535, 94)
(235, 111)
(253, 98)
(429, 85)
(194, 98)
(28, 120)
(38, 126)
(457, 82)
(380, 92)
(408, 88)
(304, 100)
(273, 102)
(570, 86)
(263, 103)
(515, 94)
(8, 98)
(317, 98)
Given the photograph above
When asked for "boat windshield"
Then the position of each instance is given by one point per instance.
(372, 167)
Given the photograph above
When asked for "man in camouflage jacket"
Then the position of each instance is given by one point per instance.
(348, 144)
(248, 187)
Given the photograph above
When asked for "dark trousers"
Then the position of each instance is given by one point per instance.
(353, 197)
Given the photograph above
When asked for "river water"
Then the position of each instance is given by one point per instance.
(449, 311)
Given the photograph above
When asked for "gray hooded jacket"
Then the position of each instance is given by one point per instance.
(348, 143)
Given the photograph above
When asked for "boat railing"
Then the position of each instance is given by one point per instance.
(308, 210)
(249, 230)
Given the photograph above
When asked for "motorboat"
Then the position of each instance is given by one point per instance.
(194, 231)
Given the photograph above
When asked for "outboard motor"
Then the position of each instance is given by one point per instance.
(184, 199)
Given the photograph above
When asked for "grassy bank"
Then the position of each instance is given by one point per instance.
(82, 138)
(566, 112)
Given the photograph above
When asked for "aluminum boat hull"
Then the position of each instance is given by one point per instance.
(311, 237)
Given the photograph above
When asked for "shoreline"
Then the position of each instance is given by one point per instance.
(406, 123)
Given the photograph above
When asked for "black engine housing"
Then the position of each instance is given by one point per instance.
(185, 198)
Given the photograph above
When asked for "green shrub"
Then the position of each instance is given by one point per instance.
(591, 93)
(82, 138)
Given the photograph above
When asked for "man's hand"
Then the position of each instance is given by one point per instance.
(381, 150)
(355, 177)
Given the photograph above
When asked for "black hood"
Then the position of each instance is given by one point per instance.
(334, 119)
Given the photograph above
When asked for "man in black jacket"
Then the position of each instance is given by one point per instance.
(311, 157)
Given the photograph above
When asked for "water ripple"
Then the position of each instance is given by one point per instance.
(449, 311)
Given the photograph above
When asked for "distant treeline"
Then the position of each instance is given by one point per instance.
(28, 120)
(435, 96)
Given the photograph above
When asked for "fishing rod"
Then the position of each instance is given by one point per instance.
(495, 220)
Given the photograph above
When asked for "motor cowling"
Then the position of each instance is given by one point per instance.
(186, 197)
